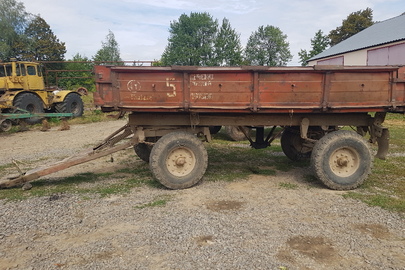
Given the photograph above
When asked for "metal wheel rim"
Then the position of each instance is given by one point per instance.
(344, 162)
(5, 125)
(180, 161)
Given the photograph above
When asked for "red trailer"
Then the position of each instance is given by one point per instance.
(169, 106)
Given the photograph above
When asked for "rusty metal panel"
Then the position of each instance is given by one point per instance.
(290, 89)
(220, 89)
(359, 89)
(398, 94)
(140, 89)
(244, 89)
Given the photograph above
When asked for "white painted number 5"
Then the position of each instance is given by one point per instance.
(171, 85)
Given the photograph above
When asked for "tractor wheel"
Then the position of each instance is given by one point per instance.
(178, 160)
(31, 103)
(72, 104)
(5, 125)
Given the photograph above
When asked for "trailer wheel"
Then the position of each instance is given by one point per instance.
(293, 145)
(236, 134)
(5, 125)
(178, 160)
(214, 129)
(31, 103)
(72, 104)
(143, 151)
(342, 160)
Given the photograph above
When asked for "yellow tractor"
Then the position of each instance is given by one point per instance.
(22, 89)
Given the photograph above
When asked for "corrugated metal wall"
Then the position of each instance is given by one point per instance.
(391, 55)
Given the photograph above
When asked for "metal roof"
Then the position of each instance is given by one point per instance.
(380, 33)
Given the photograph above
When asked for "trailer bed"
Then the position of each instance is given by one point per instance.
(251, 89)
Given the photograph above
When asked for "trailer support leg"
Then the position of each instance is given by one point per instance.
(381, 135)
(383, 144)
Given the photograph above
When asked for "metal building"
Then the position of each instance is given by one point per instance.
(381, 44)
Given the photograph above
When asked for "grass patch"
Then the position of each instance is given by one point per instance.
(229, 161)
(158, 202)
(385, 186)
(381, 200)
(102, 184)
(288, 185)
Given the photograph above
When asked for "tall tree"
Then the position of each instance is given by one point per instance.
(354, 23)
(43, 45)
(79, 74)
(268, 47)
(319, 43)
(227, 46)
(191, 40)
(110, 51)
(13, 20)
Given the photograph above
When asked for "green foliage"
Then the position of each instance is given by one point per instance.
(319, 43)
(25, 36)
(227, 46)
(79, 74)
(43, 45)
(109, 52)
(268, 47)
(13, 21)
(354, 23)
(191, 40)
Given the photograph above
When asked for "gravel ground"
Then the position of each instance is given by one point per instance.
(244, 224)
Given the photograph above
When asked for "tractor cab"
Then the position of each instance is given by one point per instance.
(20, 75)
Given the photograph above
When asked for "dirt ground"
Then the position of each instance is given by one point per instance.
(243, 224)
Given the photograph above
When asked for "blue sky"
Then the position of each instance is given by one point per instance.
(141, 26)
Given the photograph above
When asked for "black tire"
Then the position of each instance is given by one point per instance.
(5, 125)
(32, 103)
(215, 129)
(342, 160)
(236, 134)
(143, 151)
(178, 160)
(72, 104)
(293, 145)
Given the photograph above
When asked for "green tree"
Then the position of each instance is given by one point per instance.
(79, 74)
(354, 23)
(319, 43)
(109, 52)
(227, 46)
(13, 20)
(268, 47)
(43, 45)
(191, 40)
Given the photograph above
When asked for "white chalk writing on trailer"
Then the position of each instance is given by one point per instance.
(141, 97)
(201, 77)
(201, 96)
(133, 86)
(203, 80)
